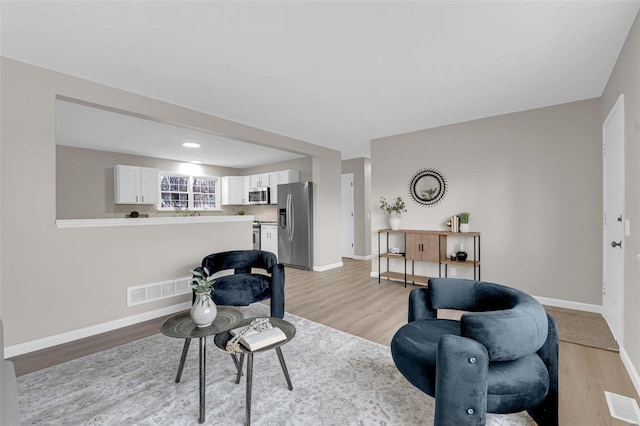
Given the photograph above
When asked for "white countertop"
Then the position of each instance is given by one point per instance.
(149, 221)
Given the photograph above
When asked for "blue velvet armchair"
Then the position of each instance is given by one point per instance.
(501, 357)
(245, 286)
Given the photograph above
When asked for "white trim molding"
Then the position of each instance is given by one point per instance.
(568, 304)
(49, 341)
(149, 221)
(559, 303)
(631, 369)
(328, 267)
(356, 257)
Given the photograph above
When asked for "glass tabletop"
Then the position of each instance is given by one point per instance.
(183, 327)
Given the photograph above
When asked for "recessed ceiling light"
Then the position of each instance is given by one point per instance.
(191, 144)
(195, 161)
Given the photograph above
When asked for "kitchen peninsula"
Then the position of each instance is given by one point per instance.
(149, 221)
(122, 267)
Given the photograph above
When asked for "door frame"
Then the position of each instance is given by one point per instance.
(613, 310)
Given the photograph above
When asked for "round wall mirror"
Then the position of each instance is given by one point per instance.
(427, 187)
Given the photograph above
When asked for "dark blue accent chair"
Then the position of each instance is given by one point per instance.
(245, 286)
(501, 357)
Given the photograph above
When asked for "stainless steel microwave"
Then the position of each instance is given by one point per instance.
(259, 195)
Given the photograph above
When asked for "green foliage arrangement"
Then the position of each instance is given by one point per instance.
(203, 283)
(464, 217)
(179, 212)
(397, 206)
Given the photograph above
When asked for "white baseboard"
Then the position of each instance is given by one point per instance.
(362, 257)
(568, 304)
(328, 267)
(47, 342)
(559, 303)
(631, 369)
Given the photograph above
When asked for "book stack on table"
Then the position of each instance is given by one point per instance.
(254, 340)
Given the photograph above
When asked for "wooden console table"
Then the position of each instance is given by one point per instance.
(425, 246)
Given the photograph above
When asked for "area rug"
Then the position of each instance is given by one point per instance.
(338, 379)
(583, 328)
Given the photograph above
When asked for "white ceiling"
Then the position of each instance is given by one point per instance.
(333, 73)
(86, 127)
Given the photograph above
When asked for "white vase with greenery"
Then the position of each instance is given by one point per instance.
(394, 220)
(203, 310)
(394, 210)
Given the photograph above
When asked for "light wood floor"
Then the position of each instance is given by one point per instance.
(349, 300)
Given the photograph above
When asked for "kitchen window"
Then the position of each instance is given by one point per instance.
(189, 192)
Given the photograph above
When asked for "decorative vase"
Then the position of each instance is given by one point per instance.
(461, 256)
(394, 220)
(203, 311)
(464, 227)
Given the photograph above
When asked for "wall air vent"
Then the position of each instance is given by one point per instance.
(151, 292)
(623, 408)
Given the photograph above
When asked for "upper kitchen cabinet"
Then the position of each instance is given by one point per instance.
(259, 181)
(136, 185)
(279, 178)
(235, 190)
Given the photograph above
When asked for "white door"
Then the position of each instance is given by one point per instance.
(614, 220)
(348, 220)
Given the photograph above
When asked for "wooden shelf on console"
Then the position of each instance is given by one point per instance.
(427, 231)
(428, 246)
(399, 276)
(417, 279)
(393, 255)
(393, 275)
(460, 262)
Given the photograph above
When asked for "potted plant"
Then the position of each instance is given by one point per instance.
(394, 209)
(203, 311)
(464, 221)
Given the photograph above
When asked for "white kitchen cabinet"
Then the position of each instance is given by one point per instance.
(247, 187)
(234, 190)
(269, 238)
(279, 178)
(260, 180)
(274, 181)
(288, 176)
(136, 185)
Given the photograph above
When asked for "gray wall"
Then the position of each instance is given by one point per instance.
(85, 182)
(625, 80)
(532, 182)
(361, 169)
(54, 280)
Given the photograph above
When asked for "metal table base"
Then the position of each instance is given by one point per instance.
(181, 326)
(221, 341)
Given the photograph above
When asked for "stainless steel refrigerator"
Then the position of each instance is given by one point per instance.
(295, 224)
